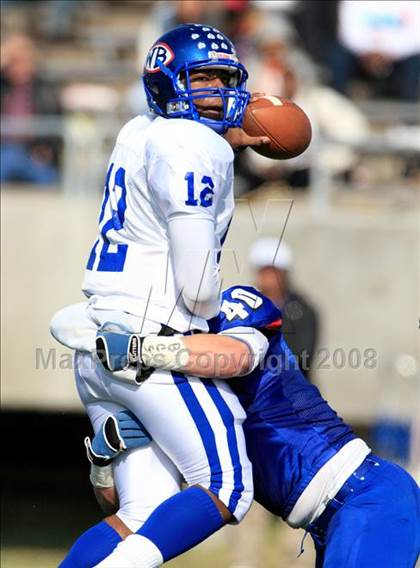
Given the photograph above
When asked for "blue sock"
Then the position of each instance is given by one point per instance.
(182, 521)
(92, 546)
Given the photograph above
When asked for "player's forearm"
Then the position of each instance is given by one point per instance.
(195, 264)
(102, 479)
(234, 352)
(216, 356)
(202, 355)
(107, 499)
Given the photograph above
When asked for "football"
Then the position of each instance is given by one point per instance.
(281, 120)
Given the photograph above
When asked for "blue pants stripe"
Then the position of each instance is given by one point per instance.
(204, 429)
(229, 422)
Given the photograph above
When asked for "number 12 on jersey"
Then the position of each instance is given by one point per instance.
(205, 197)
(111, 218)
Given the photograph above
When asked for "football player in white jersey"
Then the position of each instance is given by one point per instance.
(167, 205)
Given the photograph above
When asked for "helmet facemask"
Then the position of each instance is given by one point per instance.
(234, 97)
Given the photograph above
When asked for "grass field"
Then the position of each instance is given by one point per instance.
(39, 558)
(261, 542)
(42, 514)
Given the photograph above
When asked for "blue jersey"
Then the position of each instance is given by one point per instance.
(291, 431)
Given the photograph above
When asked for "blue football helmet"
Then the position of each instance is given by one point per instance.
(167, 71)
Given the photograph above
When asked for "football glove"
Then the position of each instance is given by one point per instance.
(118, 350)
(118, 433)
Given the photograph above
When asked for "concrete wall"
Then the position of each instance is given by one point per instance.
(358, 266)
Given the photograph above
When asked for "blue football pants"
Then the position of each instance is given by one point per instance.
(378, 525)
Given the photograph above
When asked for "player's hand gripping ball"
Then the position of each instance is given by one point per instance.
(283, 121)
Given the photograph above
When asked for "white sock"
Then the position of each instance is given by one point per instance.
(135, 551)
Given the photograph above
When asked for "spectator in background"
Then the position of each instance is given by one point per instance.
(251, 23)
(26, 94)
(373, 40)
(272, 260)
(336, 121)
(316, 26)
(169, 14)
(243, 23)
(382, 40)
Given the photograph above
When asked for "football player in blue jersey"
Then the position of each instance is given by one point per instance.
(309, 467)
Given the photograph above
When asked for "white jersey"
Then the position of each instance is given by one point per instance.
(160, 170)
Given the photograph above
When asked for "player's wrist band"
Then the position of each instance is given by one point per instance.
(101, 476)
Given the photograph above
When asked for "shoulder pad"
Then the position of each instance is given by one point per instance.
(188, 136)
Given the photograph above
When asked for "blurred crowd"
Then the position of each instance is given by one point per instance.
(326, 55)
(26, 93)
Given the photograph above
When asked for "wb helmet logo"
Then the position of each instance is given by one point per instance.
(160, 54)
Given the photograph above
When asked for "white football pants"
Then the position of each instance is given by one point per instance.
(196, 426)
